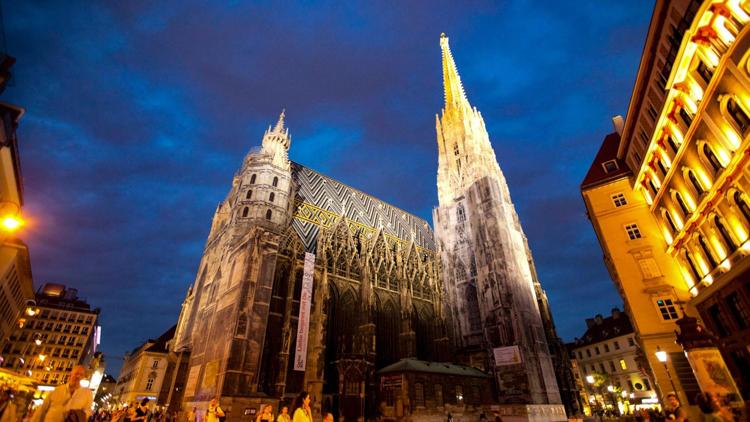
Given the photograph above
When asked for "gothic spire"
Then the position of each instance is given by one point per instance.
(280, 124)
(454, 90)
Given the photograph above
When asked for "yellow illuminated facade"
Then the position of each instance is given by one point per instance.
(685, 145)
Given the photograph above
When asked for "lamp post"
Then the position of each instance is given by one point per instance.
(661, 356)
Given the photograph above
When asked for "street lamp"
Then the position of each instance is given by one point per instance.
(590, 379)
(661, 356)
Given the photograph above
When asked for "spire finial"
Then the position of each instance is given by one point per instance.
(280, 124)
(454, 90)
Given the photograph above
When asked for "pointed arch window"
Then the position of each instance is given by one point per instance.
(245, 211)
(271, 197)
(742, 205)
(269, 214)
(725, 236)
(275, 182)
(696, 184)
(681, 202)
(706, 251)
(712, 159)
(249, 194)
(252, 179)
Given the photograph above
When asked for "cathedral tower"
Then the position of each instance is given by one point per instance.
(487, 268)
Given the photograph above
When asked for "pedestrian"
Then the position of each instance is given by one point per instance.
(302, 411)
(284, 415)
(712, 410)
(141, 412)
(265, 414)
(673, 411)
(69, 402)
(214, 413)
(7, 407)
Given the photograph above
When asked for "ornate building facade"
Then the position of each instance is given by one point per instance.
(308, 284)
(668, 197)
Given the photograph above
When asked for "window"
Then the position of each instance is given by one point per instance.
(703, 71)
(617, 345)
(741, 119)
(633, 231)
(672, 144)
(725, 234)
(460, 213)
(610, 166)
(588, 352)
(644, 138)
(419, 394)
(271, 197)
(681, 202)
(606, 348)
(623, 365)
(612, 366)
(439, 394)
(706, 251)
(268, 214)
(149, 384)
(685, 116)
(245, 211)
(739, 310)
(619, 200)
(649, 268)
(739, 200)
(711, 158)
(695, 183)
(351, 388)
(631, 343)
(652, 112)
(596, 349)
(155, 364)
(670, 221)
(275, 182)
(603, 370)
(252, 179)
(249, 194)
(719, 322)
(667, 309)
(459, 394)
(580, 355)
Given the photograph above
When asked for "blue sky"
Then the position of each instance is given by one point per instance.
(139, 112)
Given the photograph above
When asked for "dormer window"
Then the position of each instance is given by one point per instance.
(610, 166)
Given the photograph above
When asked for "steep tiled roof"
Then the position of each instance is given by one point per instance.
(415, 365)
(607, 152)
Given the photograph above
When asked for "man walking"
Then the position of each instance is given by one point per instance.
(68, 401)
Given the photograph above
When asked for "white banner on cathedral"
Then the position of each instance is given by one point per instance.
(509, 355)
(303, 322)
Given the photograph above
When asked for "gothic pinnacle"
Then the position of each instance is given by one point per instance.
(280, 124)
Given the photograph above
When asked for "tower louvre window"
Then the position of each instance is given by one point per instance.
(271, 197)
(245, 211)
(275, 181)
(252, 179)
(269, 214)
(249, 194)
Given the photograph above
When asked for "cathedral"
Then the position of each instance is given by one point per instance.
(308, 284)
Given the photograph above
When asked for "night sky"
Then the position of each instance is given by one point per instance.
(139, 112)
